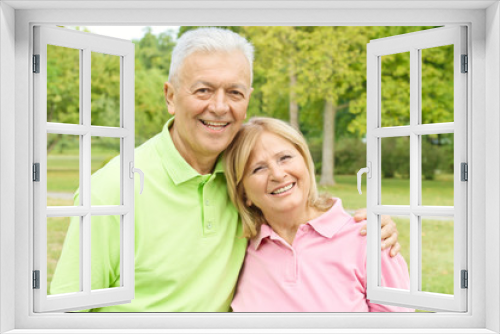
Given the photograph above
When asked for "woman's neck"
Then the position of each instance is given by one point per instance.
(286, 224)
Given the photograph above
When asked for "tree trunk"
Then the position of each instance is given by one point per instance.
(328, 156)
(53, 143)
(293, 106)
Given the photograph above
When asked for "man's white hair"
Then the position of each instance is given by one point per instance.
(208, 40)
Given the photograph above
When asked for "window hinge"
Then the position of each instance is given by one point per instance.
(36, 279)
(465, 279)
(36, 172)
(36, 63)
(465, 64)
(464, 171)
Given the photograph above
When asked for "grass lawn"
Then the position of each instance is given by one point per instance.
(63, 169)
(437, 234)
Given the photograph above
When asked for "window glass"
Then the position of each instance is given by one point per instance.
(57, 229)
(103, 150)
(63, 168)
(395, 273)
(105, 84)
(437, 254)
(395, 89)
(437, 169)
(106, 237)
(437, 84)
(395, 173)
(63, 85)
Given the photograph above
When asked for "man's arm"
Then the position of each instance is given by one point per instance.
(389, 231)
(105, 255)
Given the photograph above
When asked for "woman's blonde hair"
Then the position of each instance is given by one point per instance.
(237, 156)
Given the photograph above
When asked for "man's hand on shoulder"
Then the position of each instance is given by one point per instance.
(389, 231)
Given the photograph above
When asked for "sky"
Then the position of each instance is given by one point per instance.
(129, 32)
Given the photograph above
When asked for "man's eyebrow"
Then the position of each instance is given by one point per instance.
(211, 85)
(237, 85)
(201, 83)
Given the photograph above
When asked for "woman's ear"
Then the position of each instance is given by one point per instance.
(248, 202)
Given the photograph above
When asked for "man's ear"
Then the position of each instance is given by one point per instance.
(168, 90)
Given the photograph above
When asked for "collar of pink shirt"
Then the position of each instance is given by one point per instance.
(326, 225)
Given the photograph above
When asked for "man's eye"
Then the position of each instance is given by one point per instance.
(202, 90)
(236, 92)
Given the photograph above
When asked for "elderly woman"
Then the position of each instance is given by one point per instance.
(305, 253)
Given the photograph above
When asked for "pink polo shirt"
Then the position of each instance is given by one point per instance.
(323, 271)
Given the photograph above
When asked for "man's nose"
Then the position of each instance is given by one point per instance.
(218, 104)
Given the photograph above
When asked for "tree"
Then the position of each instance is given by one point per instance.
(276, 64)
(328, 53)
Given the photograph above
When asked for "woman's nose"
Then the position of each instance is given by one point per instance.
(277, 173)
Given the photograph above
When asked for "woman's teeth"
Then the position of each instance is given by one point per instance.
(282, 190)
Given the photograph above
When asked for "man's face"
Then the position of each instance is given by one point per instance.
(209, 101)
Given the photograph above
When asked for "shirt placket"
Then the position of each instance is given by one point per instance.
(291, 262)
(209, 219)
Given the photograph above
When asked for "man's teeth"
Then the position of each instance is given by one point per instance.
(215, 125)
(282, 190)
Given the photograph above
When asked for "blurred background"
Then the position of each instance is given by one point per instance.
(312, 77)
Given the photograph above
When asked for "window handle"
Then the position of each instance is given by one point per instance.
(140, 172)
(368, 171)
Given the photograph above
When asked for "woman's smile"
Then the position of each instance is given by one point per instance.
(283, 190)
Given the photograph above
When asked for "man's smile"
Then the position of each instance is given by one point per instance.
(214, 125)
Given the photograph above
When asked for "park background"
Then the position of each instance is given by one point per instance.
(312, 77)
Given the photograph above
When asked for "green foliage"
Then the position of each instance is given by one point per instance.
(305, 66)
(350, 154)
(63, 88)
(396, 157)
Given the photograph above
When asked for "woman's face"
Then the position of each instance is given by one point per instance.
(276, 179)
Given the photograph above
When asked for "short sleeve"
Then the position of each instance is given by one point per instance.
(394, 275)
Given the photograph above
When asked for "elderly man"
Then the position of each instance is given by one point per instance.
(188, 245)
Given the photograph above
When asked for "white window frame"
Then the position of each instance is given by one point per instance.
(85, 44)
(414, 43)
(16, 21)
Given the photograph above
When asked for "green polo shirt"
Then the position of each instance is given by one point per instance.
(188, 245)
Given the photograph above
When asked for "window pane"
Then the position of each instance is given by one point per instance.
(437, 84)
(395, 174)
(57, 229)
(63, 168)
(105, 90)
(437, 254)
(63, 84)
(437, 170)
(105, 251)
(395, 272)
(103, 150)
(395, 89)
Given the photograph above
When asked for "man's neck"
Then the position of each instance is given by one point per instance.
(202, 164)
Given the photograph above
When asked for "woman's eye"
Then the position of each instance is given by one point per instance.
(257, 169)
(285, 157)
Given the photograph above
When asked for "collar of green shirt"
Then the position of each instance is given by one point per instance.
(175, 165)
